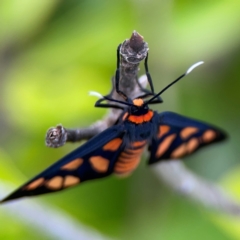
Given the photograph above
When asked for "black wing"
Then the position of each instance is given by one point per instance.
(179, 136)
(94, 159)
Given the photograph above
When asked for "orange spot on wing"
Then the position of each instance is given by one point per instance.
(188, 131)
(164, 146)
(73, 165)
(55, 183)
(70, 181)
(180, 151)
(192, 145)
(163, 129)
(138, 102)
(33, 185)
(209, 135)
(99, 164)
(113, 145)
(185, 148)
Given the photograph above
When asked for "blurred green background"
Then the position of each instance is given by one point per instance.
(53, 52)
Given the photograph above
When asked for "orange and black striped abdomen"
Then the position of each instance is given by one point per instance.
(129, 159)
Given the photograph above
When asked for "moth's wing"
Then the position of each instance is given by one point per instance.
(179, 136)
(94, 159)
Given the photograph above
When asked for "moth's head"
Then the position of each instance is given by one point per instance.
(138, 107)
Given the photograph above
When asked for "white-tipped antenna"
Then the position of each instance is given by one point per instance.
(96, 94)
(176, 80)
(194, 66)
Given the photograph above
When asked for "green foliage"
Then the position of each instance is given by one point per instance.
(53, 52)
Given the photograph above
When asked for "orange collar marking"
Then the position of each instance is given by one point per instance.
(140, 119)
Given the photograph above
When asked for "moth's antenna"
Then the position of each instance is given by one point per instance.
(194, 66)
(176, 80)
(93, 93)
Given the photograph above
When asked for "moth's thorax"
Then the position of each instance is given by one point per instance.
(138, 113)
(138, 119)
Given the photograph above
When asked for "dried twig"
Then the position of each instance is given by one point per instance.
(132, 52)
(188, 184)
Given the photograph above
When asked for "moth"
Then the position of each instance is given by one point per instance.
(119, 148)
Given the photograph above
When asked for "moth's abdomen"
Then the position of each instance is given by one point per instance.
(129, 159)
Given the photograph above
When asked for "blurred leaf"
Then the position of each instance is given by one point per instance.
(230, 224)
(8, 170)
(20, 19)
(208, 26)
